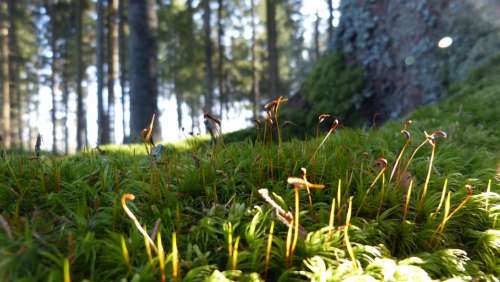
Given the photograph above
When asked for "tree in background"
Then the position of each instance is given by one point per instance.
(57, 42)
(272, 49)
(330, 20)
(52, 38)
(290, 42)
(220, 58)
(209, 73)
(103, 127)
(81, 121)
(28, 42)
(255, 91)
(142, 20)
(122, 57)
(112, 59)
(5, 77)
(14, 69)
(316, 35)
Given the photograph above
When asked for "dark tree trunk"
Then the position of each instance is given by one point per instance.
(15, 94)
(178, 100)
(103, 132)
(255, 80)
(179, 94)
(142, 64)
(193, 117)
(220, 63)
(317, 52)
(272, 49)
(330, 21)
(122, 51)
(53, 63)
(112, 65)
(5, 77)
(65, 90)
(33, 106)
(81, 116)
(209, 76)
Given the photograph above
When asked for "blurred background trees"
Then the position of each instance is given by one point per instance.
(89, 72)
(118, 60)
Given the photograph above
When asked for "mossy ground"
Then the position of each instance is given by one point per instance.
(57, 209)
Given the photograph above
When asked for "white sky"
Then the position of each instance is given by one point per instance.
(238, 117)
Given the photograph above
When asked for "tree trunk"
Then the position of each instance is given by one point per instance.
(220, 63)
(5, 78)
(112, 65)
(81, 116)
(15, 95)
(193, 117)
(143, 25)
(209, 77)
(65, 96)
(317, 52)
(34, 106)
(178, 100)
(330, 21)
(122, 51)
(53, 72)
(103, 132)
(255, 80)
(274, 80)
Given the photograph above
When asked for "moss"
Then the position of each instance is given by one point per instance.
(333, 87)
(55, 208)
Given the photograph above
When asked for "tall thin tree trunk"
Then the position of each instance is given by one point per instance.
(103, 133)
(317, 52)
(20, 110)
(53, 72)
(193, 117)
(112, 65)
(272, 49)
(65, 96)
(179, 94)
(220, 63)
(209, 77)
(29, 102)
(81, 119)
(122, 51)
(33, 105)
(5, 77)
(143, 25)
(178, 101)
(330, 21)
(255, 80)
(85, 129)
(15, 95)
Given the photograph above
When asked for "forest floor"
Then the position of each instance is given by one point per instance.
(436, 217)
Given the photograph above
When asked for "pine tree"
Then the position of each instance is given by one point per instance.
(272, 49)
(122, 57)
(330, 20)
(143, 25)
(255, 95)
(112, 65)
(81, 120)
(220, 61)
(52, 38)
(209, 76)
(14, 68)
(5, 77)
(103, 131)
(316, 35)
